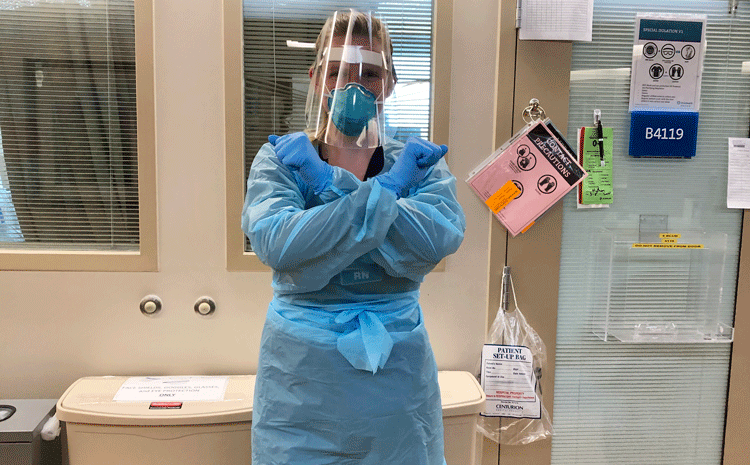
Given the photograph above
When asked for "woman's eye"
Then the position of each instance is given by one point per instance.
(333, 70)
(371, 75)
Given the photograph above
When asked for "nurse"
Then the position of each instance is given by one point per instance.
(350, 221)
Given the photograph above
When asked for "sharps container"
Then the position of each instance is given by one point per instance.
(21, 422)
(463, 399)
(164, 420)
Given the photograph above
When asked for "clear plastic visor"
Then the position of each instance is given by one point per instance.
(354, 64)
(350, 80)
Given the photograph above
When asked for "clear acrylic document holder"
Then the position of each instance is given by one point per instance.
(659, 288)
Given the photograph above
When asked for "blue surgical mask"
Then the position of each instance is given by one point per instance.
(352, 108)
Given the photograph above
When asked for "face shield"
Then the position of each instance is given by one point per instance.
(350, 79)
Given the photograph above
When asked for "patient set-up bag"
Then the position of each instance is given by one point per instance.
(513, 361)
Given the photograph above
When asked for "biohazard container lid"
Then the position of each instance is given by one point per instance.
(461, 393)
(158, 401)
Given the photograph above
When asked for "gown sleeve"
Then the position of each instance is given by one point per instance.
(307, 245)
(430, 226)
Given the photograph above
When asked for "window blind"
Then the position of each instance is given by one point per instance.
(276, 75)
(68, 162)
(634, 403)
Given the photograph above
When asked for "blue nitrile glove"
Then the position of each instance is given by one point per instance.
(411, 167)
(296, 152)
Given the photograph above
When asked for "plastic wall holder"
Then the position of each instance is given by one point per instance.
(667, 290)
(667, 134)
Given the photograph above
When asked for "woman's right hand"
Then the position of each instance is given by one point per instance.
(411, 166)
(296, 152)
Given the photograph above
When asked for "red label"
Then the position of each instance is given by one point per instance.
(165, 405)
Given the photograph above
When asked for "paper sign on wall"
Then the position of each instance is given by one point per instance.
(556, 19)
(668, 54)
(738, 176)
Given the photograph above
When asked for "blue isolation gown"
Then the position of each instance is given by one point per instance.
(346, 373)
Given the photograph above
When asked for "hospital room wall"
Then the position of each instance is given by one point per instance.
(59, 326)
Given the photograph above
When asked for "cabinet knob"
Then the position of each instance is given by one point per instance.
(205, 306)
(150, 304)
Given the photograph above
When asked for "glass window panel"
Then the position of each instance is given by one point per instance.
(68, 159)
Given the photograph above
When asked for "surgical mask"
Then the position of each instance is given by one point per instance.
(352, 108)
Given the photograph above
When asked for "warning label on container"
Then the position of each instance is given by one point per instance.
(172, 389)
(165, 405)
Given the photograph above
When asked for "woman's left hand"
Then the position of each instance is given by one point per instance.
(295, 151)
(417, 156)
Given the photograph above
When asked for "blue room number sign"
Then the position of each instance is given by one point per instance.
(670, 134)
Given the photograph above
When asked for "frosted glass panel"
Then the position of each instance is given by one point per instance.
(635, 403)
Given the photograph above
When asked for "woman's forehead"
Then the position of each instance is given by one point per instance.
(359, 40)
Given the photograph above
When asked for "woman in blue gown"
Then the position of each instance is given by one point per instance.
(350, 222)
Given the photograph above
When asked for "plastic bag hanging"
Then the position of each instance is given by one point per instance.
(513, 363)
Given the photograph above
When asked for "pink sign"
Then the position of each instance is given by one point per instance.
(541, 166)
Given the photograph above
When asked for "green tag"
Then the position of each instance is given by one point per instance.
(596, 189)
